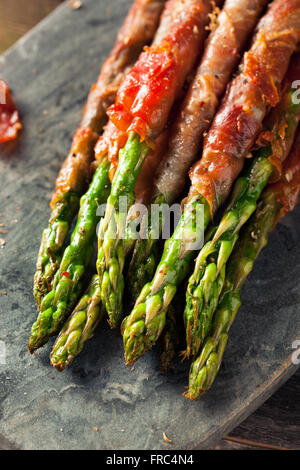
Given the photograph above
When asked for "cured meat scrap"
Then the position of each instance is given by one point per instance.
(10, 122)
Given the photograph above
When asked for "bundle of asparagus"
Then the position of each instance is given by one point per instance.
(220, 57)
(141, 109)
(276, 200)
(163, 69)
(257, 118)
(232, 134)
(137, 31)
(207, 280)
(152, 86)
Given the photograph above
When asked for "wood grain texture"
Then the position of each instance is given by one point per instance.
(17, 17)
(50, 71)
(226, 444)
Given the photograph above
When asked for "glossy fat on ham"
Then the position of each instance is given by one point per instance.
(137, 31)
(149, 90)
(234, 25)
(256, 89)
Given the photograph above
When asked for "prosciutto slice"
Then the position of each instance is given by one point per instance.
(251, 94)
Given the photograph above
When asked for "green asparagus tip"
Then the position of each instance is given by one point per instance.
(112, 298)
(39, 332)
(79, 328)
(134, 343)
(67, 344)
(229, 221)
(197, 387)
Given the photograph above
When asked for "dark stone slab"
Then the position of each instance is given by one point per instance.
(50, 71)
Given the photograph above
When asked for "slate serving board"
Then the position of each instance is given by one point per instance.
(50, 71)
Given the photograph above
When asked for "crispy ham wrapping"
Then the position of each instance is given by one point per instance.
(232, 29)
(109, 145)
(288, 187)
(147, 87)
(137, 31)
(281, 143)
(76, 167)
(251, 94)
(149, 90)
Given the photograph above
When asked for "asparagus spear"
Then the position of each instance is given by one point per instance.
(145, 256)
(78, 328)
(113, 244)
(220, 57)
(276, 200)
(137, 31)
(143, 326)
(94, 294)
(203, 292)
(67, 283)
(231, 136)
(64, 206)
(128, 163)
(45, 270)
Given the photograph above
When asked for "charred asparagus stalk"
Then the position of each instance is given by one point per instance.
(170, 341)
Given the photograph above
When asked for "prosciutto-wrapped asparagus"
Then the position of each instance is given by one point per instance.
(231, 136)
(274, 144)
(276, 200)
(227, 40)
(161, 70)
(137, 31)
(10, 123)
(142, 106)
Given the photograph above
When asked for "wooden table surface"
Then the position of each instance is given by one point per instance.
(276, 424)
